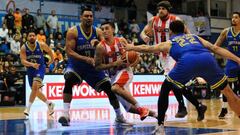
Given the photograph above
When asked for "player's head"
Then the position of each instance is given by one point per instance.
(108, 29)
(177, 27)
(163, 8)
(31, 36)
(86, 17)
(235, 18)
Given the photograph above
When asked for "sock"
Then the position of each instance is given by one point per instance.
(224, 105)
(29, 105)
(66, 107)
(118, 111)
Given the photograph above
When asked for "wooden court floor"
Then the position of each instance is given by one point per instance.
(100, 119)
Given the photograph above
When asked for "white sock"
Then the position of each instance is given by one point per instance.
(224, 105)
(137, 105)
(118, 111)
(29, 105)
(66, 107)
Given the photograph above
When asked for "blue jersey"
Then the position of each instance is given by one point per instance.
(35, 56)
(193, 60)
(183, 44)
(83, 47)
(233, 42)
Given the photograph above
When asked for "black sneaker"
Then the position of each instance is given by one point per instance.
(201, 111)
(64, 120)
(182, 112)
(223, 113)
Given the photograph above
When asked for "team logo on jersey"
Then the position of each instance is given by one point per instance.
(160, 29)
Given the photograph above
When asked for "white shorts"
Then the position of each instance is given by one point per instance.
(123, 78)
(167, 63)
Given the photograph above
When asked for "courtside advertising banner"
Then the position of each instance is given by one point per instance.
(142, 86)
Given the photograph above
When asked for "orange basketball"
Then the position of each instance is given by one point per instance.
(131, 57)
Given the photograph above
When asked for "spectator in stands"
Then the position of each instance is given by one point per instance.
(18, 20)
(58, 54)
(15, 45)
(51, 41)
(10, 35)
(39, 21)
(24, 38)
(27, 21)
(3, 31)
(54, 65)
(52, 23)
(60, 42)
(41, 37)
(11, 78)
(4, 47)
(9, 20)
(134, 28)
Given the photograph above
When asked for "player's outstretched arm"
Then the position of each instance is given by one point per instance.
(220, 51)
(161, 47)
(48, 50)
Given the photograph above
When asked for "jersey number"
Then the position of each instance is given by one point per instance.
(235, 48)
(88, 53)
(185, 41)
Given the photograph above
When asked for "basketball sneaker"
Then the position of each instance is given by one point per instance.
(26, 112)
(143, 112)
(182, 112)
(201, 112)
(223, 113)
(159, 130)
(51, 108)
(64, 120)
(120, 120)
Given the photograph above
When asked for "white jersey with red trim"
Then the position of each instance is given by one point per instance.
(112, 53)
(161, 34)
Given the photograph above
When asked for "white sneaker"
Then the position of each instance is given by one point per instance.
(64, 120)
(159, 130)
(120, 120)
(26, 112)
(51, 108)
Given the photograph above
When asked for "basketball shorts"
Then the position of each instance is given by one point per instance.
(197, 65)
(35, 75)
(93, 77)
(232, 70)
(123, 78)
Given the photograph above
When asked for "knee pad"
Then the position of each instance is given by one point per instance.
(70, 80)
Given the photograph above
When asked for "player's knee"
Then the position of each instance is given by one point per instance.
(106, 87)
(116, 88)
(70, 80)
(222, 86)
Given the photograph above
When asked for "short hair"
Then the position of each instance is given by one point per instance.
(110, 23)
(31, 31)
(165, 4)
(236, 13)
(177, 26)
(85, 9)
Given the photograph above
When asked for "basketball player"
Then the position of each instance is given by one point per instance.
(232, 70)
(158, 27)
(108, 57)
(31, 55)
(80, 41)
(193, 57)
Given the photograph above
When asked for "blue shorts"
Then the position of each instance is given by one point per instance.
(35, 75)
(93, 77)
(232, 70)
(197, 65)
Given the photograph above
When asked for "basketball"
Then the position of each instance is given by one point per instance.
(131, 57)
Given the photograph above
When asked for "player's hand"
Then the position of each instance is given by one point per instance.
(94, 42)
(146, 39)
(127, 46)
(36, 65)
(121, 62)
(90, 61)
